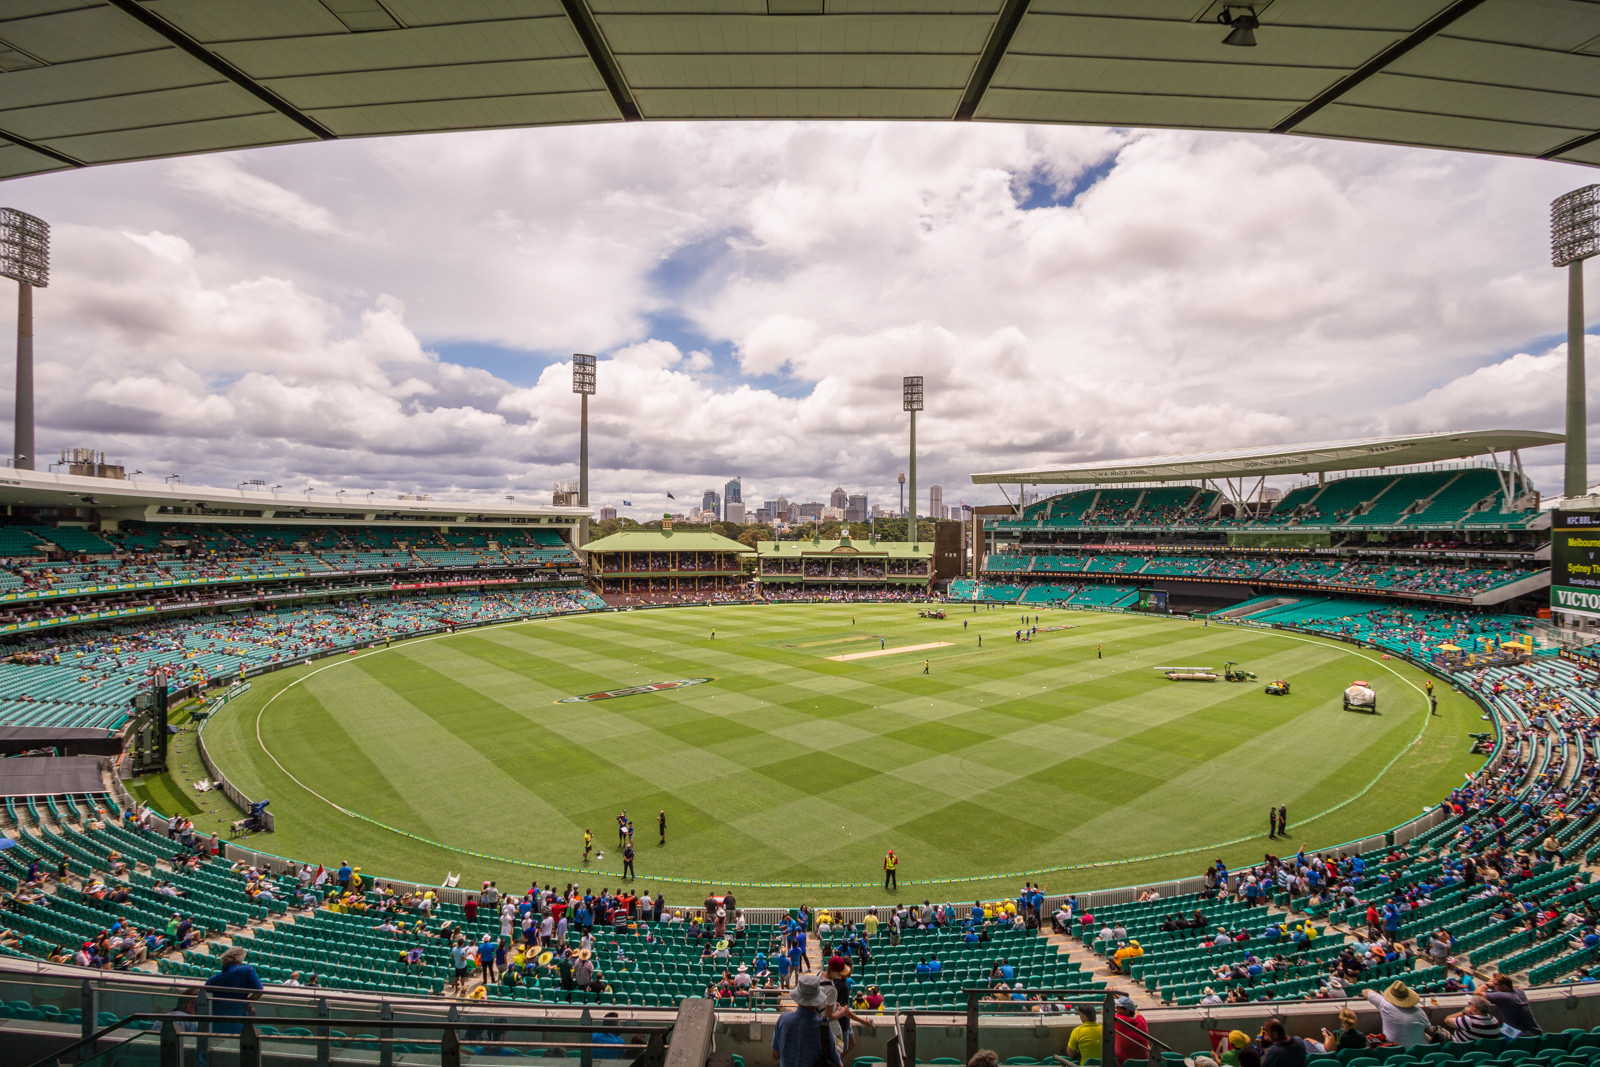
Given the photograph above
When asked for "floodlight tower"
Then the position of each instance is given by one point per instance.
(1574, 237)
(911, 400)
(25, 259)
(583, 385)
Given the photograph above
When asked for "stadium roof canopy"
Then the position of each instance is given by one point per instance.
(174, 501)
(102, 81)
(1368, 453)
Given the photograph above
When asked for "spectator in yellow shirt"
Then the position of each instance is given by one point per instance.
(1083, 1043)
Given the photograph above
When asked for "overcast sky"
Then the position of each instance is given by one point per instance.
(399, 314)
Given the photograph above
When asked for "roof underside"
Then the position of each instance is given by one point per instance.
(1359, 454)
(102, 81)
(47, 489)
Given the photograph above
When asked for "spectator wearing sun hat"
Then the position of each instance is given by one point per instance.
(1404, 1021)
(801, 1038)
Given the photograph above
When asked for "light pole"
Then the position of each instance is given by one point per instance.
(583, 384)
(902, 481)
(1574, 237)
(911, 400)
(25, 259)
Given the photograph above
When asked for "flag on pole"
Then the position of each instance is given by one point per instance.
(671, 497)
(627, 503)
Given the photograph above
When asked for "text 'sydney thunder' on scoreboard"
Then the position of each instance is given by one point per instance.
(1575, 562)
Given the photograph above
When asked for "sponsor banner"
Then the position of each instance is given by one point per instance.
(636, 690)
(454, 584)
(1575, 601)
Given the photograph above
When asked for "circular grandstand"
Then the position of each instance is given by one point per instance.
(246, 616)
(202, 690)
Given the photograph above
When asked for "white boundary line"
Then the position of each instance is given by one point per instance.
(1345, 647)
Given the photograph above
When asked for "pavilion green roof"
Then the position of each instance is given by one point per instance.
(665, 541)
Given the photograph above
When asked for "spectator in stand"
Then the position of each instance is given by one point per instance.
(232, 988)
(801, 1038)
(1241, 1053)
(1510, 1005)
(1130, 1031)
(1404, 1021)
(1349, 1035)
(1474, 1022)
(1083, 1044)
(1282, 1048)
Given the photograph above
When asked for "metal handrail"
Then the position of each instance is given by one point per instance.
(1107, 1000)
(448, 1031)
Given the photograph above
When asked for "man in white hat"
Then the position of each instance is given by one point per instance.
(801, 1037)
(1404, 1019)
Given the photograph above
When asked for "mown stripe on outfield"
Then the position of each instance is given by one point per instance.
(312, 738)
(505, 739)
(839, 855)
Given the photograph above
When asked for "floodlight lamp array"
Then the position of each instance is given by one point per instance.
(1575, 226)
(24, 248)
(911, 393)
(583, 374)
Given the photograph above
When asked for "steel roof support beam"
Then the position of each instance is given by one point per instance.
(199, 52)
(994, 50)
(34, 146)
(1378, 63)
(1571, 146)
(594, 42)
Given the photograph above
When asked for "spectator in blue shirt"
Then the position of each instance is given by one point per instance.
(801, 1037)
(606, 1037)
(487, 951)
(232, 988)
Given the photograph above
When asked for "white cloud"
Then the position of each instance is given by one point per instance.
(222, 179)
(756, 291)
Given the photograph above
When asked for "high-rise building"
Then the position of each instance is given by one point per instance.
(764, 515)
(839, 499)
(936, 502)
(856, 510)
(732, 493)
(710, 501)
(811, 510)
(732, 511)
(607, 513)
(771, 506)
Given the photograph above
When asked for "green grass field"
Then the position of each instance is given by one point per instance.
(791, 767)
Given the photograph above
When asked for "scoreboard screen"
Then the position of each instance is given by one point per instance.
(1153, 600)
(1575, 562)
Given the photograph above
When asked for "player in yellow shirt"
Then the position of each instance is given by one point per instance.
(588, 844)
